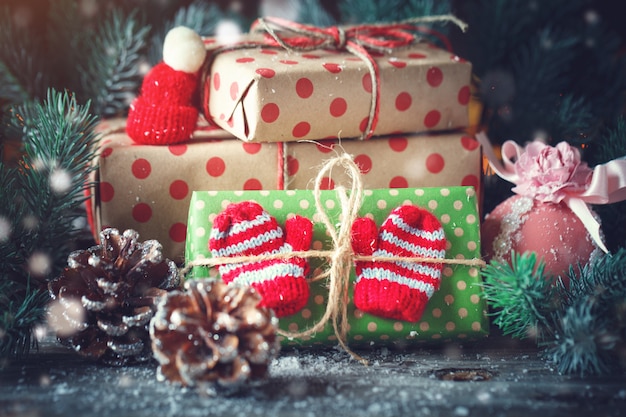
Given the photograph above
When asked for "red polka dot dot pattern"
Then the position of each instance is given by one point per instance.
(398, 143)
(434, 76)
(234, 91)
(252, 184)
(141, 169)
(398, 182)
(364, 163)
(338, 107)
(215, 166)
(107, 192)
(270, 113)
(142, 212)
(332, 68)
(435, 163)
(178, 232)
(266, 72)
(292, 165)
(304, 88)
(251, 148)
(469, 143)
(403, 101)
(432, 119)
(464, 95)
(179, 189)
(177, 149)
(301, 130)
(471, 181)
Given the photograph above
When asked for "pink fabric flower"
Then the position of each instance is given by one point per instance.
(549, 174)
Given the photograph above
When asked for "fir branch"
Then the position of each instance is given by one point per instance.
(610, 144)
(111, 73)
(200, 16)
(601, 67)
(374, 11)
(59, 145)
(591, 333)
(67, 35)
(21, 75)
(521, 296)
(18, 318)
(38, 203)
(582, 343)
(312, 12)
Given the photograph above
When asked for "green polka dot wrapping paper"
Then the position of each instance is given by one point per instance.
(456, 311)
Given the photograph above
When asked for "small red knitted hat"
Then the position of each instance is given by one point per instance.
(164, 113)
(398, 290)
(245, 229)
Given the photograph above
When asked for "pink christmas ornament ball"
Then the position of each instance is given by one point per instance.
(551, 230)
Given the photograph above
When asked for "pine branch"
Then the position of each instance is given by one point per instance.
(582, 342)
(67, 34)
(374, 11)
(38, 203)
(591, 333)
(18, 318)
(608, 145)
(21, 75)
(111, 73)
(200, 16)
(312, 12)
(521, 296)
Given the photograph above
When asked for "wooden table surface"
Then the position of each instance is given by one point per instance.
(492, 377)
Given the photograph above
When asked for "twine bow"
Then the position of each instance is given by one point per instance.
(340, 255)
(606, 185)
(358, 40)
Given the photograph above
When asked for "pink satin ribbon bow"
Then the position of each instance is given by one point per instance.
(557, 174)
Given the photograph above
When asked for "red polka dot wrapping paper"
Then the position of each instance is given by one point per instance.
(457, 311)
(148, 188)
(273, 95)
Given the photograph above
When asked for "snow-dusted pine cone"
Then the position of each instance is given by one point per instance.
(104, 299)
(213, 333)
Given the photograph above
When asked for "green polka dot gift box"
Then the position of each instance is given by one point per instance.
(455, 311)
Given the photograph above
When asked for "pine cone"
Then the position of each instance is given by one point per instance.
(116, 286)
(213, 333)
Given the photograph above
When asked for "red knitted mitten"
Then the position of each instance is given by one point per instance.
(398, 290)
(245, 229)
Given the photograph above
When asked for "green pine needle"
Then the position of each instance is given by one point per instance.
(521, 296)
(582, 344)
(39, 200)
(201, 16)
(111, 73)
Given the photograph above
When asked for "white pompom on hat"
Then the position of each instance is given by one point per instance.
(183, 49)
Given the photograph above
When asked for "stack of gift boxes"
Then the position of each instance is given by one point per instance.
(274, 116)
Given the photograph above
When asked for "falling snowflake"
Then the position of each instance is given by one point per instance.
(227, 32)
(39, 264)
(5, 229)
(66, 318)
(60, 181)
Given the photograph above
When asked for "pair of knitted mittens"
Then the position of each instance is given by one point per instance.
(392, 289)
